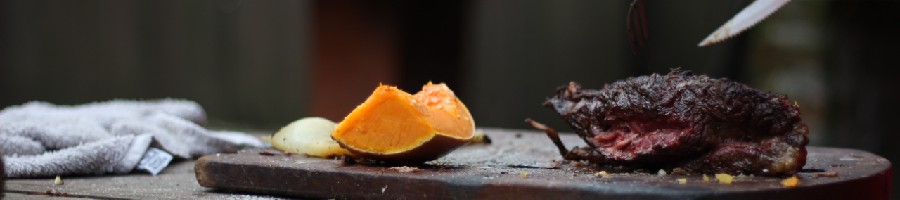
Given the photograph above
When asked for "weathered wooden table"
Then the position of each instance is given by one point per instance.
(176, 182)
(518, 165)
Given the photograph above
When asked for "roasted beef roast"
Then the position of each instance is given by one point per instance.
(680, 120)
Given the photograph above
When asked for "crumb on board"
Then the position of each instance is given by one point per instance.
(682, 181)
(554, 165)
(480, 138)
(793, 181)
(58, 181)
(54, 193)
(705, 178)
(724, 179)
(661, 172)
(679, 171)
(602, 174)
(827, 174)
(406, 169)
(523, 174)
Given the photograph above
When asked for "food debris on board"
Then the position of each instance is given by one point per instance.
(580, 164)
(682, 181)
(54, 193)
(793, 181)
(724, 179)
(827, 174)
(406, 169)
(679, 171)
(602, 174)
(480, 138)
(58, 181)
(523, 174)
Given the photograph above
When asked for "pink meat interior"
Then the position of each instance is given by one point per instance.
(625, 140)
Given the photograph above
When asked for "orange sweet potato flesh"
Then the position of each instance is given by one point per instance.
(447, 114)
(392, 125)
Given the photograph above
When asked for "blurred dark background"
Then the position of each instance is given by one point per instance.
(258, 65)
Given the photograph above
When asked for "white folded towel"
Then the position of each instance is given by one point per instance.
(2, 178)
(39, 139)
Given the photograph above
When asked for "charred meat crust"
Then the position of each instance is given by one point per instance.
(682, 120)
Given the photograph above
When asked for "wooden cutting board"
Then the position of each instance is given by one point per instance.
(520, 165)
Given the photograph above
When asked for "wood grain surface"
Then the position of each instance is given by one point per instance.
(524, 165)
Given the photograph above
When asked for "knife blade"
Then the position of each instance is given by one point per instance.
(749, 16)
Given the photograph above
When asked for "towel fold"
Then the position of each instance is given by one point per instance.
(39, 139)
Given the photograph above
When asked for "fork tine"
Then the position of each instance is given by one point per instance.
(645, 32)
(636, 24)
